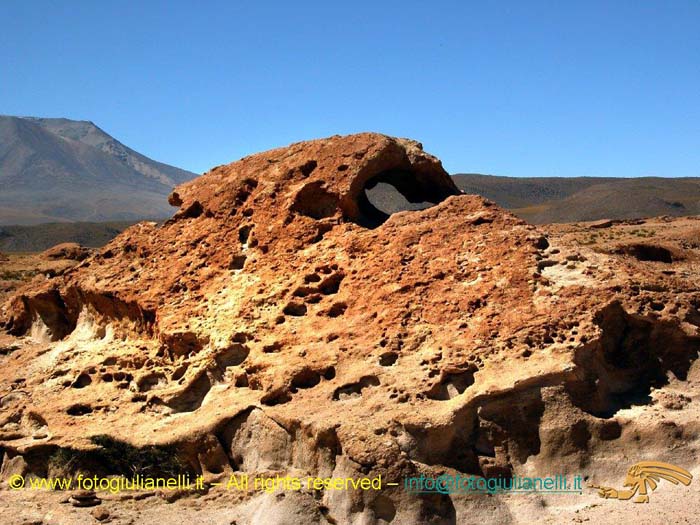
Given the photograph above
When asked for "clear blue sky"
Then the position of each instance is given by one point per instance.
(520, 88)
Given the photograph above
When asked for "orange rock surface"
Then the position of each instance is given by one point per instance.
(281, 322)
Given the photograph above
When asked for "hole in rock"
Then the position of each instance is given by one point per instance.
(355, 389)
(82, 381)
(193, 211)
(610, 430)
(337, 310)
(632, 355)
(306, 378)
(121, 376)
(79, 410)
(244, 233)
(303, 291)
(397, 190)
(179, 372)
(150, 381)
(508, 423)
(546, 264)
(331, 284)
(579, 435)
(183, 343)
(240, 337)
(693, 317)
(388, 358)
(191, 397)
(48, 308)
(215, 469)
(237, 262)
(314, 201)
(308, 168)
(277, 397)
(541, 243)
(452, 384)
(387, 200)
(647, 252)
(295, 309)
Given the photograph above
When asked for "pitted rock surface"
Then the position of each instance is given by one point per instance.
(279, 321)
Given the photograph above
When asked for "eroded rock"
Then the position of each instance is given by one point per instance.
(280, 321)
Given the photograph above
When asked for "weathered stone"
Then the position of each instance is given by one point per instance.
(67, 250)
(280, 321)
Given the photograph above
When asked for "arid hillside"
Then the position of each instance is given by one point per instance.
(60, 170)
(544, 200)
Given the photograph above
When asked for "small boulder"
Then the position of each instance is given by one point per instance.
(100, 514)
(84, 498)
(67, 250)
(604, 223)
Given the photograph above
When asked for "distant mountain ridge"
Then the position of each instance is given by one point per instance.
(55, 170)
(59, 170)
(553, 199)
(543, 200)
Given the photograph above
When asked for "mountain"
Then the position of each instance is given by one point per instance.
(521, 192)
(550, 199)
(60, 170)
(544, 200)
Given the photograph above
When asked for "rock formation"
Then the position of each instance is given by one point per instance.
(280, 322)
(67, 250)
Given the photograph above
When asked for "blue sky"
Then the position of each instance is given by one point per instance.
(519, 88)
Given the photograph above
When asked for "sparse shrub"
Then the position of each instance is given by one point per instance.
(114, 457)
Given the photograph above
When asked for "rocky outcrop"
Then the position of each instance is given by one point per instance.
(67, 250)
(280, 321)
